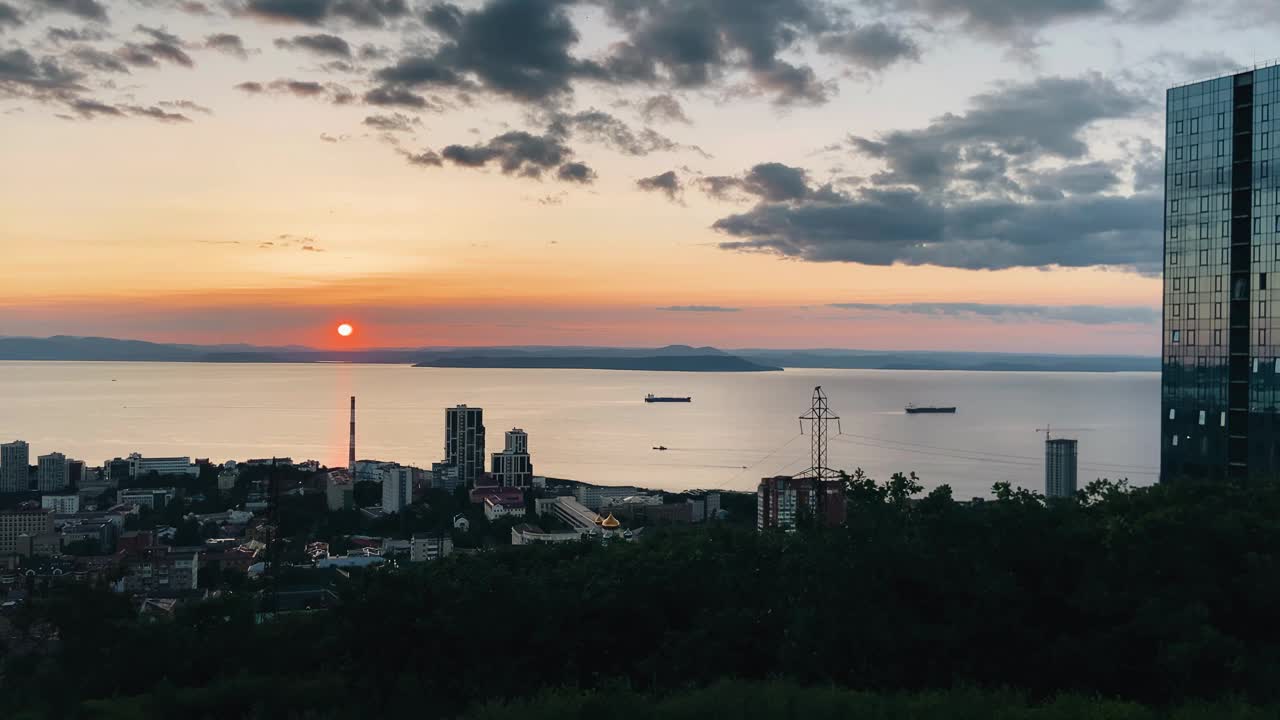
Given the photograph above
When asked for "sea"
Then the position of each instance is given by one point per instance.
(594, 426)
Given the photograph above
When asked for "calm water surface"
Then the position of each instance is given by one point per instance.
(594, 425)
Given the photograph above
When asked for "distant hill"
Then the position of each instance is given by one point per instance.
(670, 358)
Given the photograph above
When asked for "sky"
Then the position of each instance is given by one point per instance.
(881, 174)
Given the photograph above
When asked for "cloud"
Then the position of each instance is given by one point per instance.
(156, 113)
(1078, 179)
(872, 47)
(663, 108)
(700, 309)
(1189, 66)
(320, 44)
(286, 241)
(326, 137)
(667, 183)
(1080, 314)
(87, 9)
(395, 122)
(1018, 122)
(1016, 22)
(772, 182)
(874, 226)
(576, 172)
(88, 33)
(9, 16)
(227, 43)
(164, 46)
(390, 96)
(95, 59)
(425, 158)
(89, 108)
(364, 13)
(600, 127)
(516, 153)
(22, 74)
(185, 105)
(327, 91)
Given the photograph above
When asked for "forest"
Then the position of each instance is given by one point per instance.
(1134, 602)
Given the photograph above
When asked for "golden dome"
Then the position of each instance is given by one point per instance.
(599, 520)
(610, 522)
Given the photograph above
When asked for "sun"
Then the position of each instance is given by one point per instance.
(345, 329)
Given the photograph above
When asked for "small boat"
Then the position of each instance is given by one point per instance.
(660, 447)
(929, 410)
(651, 398)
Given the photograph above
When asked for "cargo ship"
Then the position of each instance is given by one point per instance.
(929, 410)
(651, 398)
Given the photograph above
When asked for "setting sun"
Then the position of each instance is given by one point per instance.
(345, 329)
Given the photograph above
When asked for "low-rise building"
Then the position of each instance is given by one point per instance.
(44, 545)
(495, 508)
(339, 491)
(429, 546)
(597, 496)
(461, 523)
(160, 568)
(227, 478)
(22, 521)
(142, 466)
(61, 504)
(568, 510)
(445, 477)
(525, 534)
(152, 498)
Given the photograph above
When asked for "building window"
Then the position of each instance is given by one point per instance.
(1173, 414)
(1222, 176)
(1175, 440)
(1257, 227)
(1191, 284)
(1177, 127)
(1266, 113)
(1257, 198)
(1191, 337)
(1204, 231)
(1195, 126)
(1226, 228)
(1262, 308)
(1226, 201)
(1262, 281)
(1217, 337)
(1204, 203)
(1173, 206)
(1217, 313)
(1194, 152)
(1191, 311)
(1194, 178)
(1257, 253)
(1265, 140)
(1177, 336)
(1177, 179)
(1222, 148)
(1277, 228)
(1217, 283)
(1262, 337)
(1266, 168)
(1222, 123)
(1226, 256)
(1177, 153)
(1173, 232)
(1173, 258)
(1222, 418)
(1202, 417)
(1177, 311)
(1177, 284)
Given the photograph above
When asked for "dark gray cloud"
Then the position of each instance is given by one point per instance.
(22, 74)
(699, 309)
(395, 122)
(88, 33)
(87, 108)
(887, 226)
(364, 13)
(1081, 314)
(164, 47)
(576, 172)
(667, 183)
(872, 47)
(771, 182)
(425, 158)
(1014, 21)
(327, 91)
(156, 113)
(9, 16)
(185, 105)
(663, 108)
(516, 153)
(390, 96)
(87, 9)
(694, 44)
(96, 59)
(1016, 123)
(600, 127)
(1078, 179)
(319, 43)
(227, 43)
(1194, 66)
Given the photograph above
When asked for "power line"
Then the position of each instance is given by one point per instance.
(982, 459)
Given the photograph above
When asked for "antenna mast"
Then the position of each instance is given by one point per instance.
(818, 418)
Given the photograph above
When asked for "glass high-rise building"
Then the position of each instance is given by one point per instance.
(464, 442)
(1221, 380)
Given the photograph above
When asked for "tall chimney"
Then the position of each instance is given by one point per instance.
(351, 449)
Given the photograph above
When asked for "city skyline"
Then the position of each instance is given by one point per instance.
(894, 175)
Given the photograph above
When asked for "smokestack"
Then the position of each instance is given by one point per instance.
(351, 449)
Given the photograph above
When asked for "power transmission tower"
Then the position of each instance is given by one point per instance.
(818, 418)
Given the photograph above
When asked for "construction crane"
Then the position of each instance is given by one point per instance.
(1048, 431)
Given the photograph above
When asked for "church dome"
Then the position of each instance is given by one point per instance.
(611, 522)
